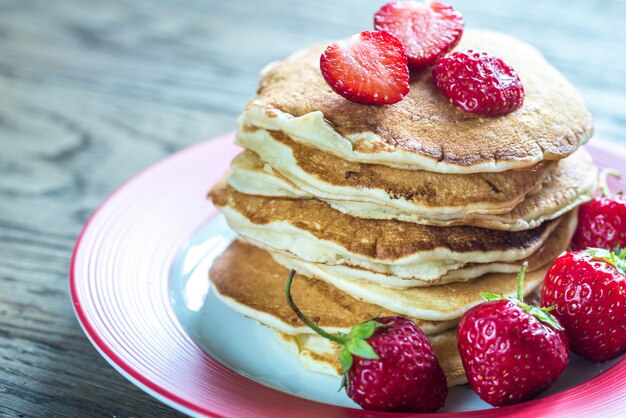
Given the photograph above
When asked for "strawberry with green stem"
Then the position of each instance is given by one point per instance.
(588, 289)
(602, 221)
(388, 363)
(511, 351)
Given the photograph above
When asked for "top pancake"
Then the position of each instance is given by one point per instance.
(425, 131)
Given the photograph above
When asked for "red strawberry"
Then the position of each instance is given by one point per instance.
(511, 351)
(589, 291)
(406, 373)
(602, 222)
(427, 30)
(388, 364)
(479, 83)
(369, 68)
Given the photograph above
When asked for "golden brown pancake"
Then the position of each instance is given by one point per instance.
(434, 303)
(263, 292)
(445, 302)
(571, 183)
(419, 192)
(251, 282)
(384, 241)
(425, 131)
(556, 243)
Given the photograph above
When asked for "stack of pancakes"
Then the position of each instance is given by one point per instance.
(411, 209)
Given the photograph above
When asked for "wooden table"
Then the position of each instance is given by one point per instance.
(91, 92)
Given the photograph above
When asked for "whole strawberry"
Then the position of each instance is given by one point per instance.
(511, 351)
(388, 363)
(479, 83)
(405, 374)
(602, 222)
(588, 289)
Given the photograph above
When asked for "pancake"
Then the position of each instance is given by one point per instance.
(250, 175)
(418, 192)
(566, 185)
(556, 243)
(313, 231)
(320, 355)
(424, 131)
(256, 289)
(434, 303)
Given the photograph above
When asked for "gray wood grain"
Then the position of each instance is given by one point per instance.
(91, 92)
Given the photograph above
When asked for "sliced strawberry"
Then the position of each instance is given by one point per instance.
(369, 68)
(427, 30)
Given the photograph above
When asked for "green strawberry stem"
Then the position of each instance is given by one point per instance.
(542, 314)
(304, 318)
(354, 343)
(604, 175)
(520, 282)
(616, 258)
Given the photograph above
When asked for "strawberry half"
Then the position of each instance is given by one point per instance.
(511, 351)
(602, 222)
(369, 68)
(588, 289)
(479, 83)
(427, 30)
(388, 363)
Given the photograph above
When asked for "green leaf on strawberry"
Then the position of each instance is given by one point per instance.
(364, 330)
(345, 359)
(353, 344)
(491, 296)
(616, 258)
(542, 314)
(362, 349)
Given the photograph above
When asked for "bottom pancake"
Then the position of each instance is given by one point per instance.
(320, 355)
(249, 281)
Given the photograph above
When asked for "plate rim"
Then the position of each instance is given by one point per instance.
(121, 366)
(180, 404)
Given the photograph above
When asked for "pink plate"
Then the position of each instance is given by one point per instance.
(120, 279)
